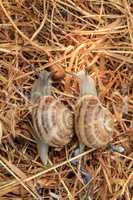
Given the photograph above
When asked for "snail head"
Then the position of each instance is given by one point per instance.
(87, 85)
(42, 86)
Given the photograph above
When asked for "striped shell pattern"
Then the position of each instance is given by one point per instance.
(52, 121)
(93, 122)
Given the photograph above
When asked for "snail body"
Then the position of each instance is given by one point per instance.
(93, 122)
(52, 120)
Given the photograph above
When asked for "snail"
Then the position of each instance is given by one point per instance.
(52, 120)
(94, 123)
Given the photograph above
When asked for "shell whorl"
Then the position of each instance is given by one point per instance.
(93, 122)
(53, 122)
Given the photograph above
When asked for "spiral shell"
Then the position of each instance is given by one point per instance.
(52, 121)
(93, 122)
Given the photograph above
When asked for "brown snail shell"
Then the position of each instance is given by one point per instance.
(52, 121)
(93, 122)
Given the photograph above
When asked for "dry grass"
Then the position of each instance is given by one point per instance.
(96, 35)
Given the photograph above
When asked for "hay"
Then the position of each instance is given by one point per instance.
(92, 35)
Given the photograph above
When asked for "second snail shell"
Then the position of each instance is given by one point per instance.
(93, 122)
(52, 121)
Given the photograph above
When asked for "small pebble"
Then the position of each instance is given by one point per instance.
(119, 149)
